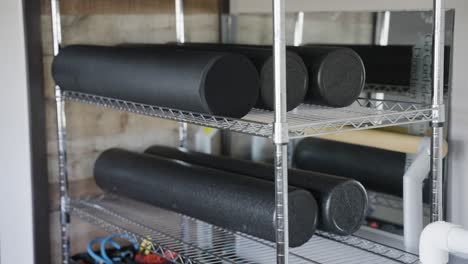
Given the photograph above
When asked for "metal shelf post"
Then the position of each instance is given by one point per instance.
(62, 141)
(280, 133)
(180, 38)
(179, 18)
(437, 205)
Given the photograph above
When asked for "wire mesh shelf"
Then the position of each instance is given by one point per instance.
(185, 240)
(398, 89)
(389, 208)
(304, 121)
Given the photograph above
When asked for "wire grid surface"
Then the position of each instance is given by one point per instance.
(304, 121)
(390, 208)
(198, 242)
(390, 201)
(377, 87)
(385, 200)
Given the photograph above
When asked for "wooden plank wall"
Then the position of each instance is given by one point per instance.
(126, 7)
(90, 129)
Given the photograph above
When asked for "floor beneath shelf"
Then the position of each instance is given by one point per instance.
(199, 242)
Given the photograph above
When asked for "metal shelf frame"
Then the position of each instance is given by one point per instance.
(304, 121)
(280, 125)
(199, 242)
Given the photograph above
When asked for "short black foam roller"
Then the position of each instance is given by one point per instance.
(198, 81)
(262, 58)
(229, 200)
(342, 202)
(336, 75)
(376, 169)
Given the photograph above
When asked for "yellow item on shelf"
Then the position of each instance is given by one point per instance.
(146, 246)
(381, 139)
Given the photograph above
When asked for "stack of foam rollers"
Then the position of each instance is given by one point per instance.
(222, 80)
(235, 194)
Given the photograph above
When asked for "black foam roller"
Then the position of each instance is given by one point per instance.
(336, 75)
(198, 81)
(386, 64)
(389, 64)
(342, 202)
(262, 58)
(229, 200)
(376, 169)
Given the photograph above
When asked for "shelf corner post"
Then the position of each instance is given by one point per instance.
(437, 181)
(64, 202)
(280, 133)
(180, 39)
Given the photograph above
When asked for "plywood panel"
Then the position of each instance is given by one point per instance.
(79, 188)
(118, 29)
(88, 7)
(81, 232)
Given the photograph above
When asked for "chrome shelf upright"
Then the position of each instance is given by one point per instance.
(437, 180)
(62, 140)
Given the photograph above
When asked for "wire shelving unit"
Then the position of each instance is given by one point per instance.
(197, 242)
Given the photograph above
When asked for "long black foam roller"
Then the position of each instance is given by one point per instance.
(225, 199)
(199, 81)
(262, 58)
(384, 64)
(389, 64)
(342, 202)
(376, 169)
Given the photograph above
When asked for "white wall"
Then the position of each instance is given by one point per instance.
(16, 221)
(458, 129)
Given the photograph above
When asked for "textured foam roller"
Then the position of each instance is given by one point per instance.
(198, 81)
(336, 75)
(342, 202)
(296, 71)
(390, 64)
(376, 169)
(386, 64)
(225, 199)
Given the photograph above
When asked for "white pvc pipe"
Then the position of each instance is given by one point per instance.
(439, 239)
(413, 197)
